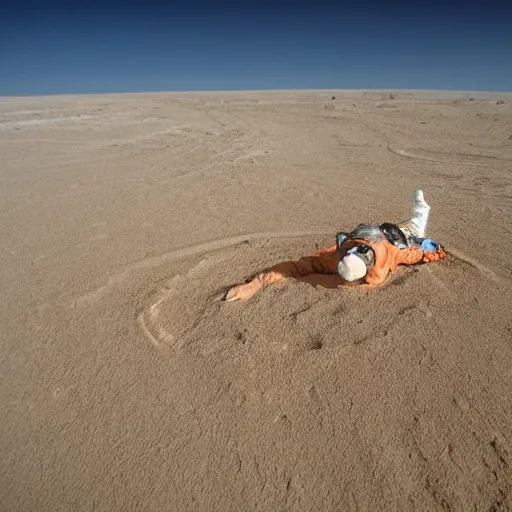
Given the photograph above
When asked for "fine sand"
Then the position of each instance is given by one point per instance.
(126, 384)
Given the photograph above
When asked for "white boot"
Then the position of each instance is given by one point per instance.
(419, 215)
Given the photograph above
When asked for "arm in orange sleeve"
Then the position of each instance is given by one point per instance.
(409, 256)
(413, 255)
(278, 273)
(327, 251)
(389, 257)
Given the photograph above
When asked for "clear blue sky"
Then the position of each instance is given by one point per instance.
(51, 47)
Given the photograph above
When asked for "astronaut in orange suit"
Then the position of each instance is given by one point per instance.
(365, 256)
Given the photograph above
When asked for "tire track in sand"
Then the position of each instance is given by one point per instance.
(444, 157)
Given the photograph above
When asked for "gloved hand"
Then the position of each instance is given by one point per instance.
(242, 291)
(430, 256)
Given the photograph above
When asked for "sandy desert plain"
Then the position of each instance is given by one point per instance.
(127, 384)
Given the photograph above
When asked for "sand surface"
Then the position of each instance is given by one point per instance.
(127, 385)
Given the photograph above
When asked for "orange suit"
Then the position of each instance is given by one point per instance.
(387, 257)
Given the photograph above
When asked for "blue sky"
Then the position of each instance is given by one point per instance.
(54, 47)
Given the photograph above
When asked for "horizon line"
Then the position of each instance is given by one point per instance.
(230, 91)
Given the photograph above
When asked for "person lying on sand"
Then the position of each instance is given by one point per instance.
(364, 257)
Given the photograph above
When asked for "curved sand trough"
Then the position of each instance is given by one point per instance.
(197, 291)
